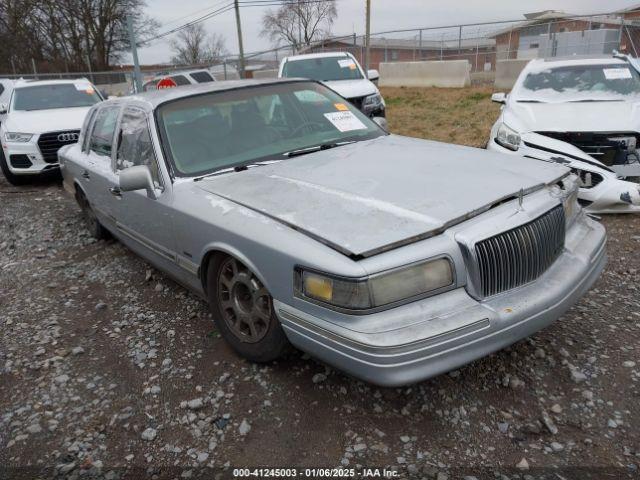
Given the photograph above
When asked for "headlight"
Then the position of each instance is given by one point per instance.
(508, 137)
(17, 137)
(377, 290)
(372, 100)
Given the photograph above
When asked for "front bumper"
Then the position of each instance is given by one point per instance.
(26, 159)
(452, 329)
(612, 195)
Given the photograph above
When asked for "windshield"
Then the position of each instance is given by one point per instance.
(64, 95)
(323, 69)
(219, 130)
(607, 82)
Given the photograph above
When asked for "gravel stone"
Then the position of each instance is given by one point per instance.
(149, 434)
(244, 428)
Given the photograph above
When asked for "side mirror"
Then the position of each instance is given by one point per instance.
(382, 123)
(499, 97)
(137, 178)
(3, 108)
(373, 75)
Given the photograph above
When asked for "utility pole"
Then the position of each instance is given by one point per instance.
(89, 67)
(137, 77)
(241, 48)
(367, 38)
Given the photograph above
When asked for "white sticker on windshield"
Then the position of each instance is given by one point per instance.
(347, 63)
(82, 86)
(616, 73)
(345, 121)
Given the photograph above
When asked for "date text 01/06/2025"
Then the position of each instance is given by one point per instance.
(314, 473)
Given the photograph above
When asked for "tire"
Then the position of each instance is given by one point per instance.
(11, 177)
(243, 311)
(91, 222)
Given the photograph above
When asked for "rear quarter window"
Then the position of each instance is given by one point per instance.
(180, 80)
(201, 77)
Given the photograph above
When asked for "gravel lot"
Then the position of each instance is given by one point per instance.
(109, 368)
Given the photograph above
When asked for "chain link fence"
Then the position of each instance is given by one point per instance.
(482, 45)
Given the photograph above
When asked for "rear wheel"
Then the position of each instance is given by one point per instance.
(11, 177)
(243, 310)
(92, 223)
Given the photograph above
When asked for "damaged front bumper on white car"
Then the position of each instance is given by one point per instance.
(601, 190)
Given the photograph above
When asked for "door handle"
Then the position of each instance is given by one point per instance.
(115, 191)
(86, 175)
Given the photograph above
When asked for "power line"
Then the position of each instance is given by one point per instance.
(175, 20)
(215, 13)
(227, 7)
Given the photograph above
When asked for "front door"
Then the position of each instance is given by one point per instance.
(145, 221)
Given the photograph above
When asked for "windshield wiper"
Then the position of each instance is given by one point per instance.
(530, 101)
(236, 168)
(316, 148)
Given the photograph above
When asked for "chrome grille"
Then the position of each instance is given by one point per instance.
(49, 143)
(521, 255)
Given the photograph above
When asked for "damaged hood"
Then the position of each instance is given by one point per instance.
(352, 88)
(367, 197)
(613, 116)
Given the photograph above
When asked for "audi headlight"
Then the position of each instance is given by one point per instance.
(15, 137)
(373, 100)
(508, 137)
(377, 290)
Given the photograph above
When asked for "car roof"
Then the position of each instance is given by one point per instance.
(179, 72)
(154, 98)
(307, 56)
(546, 63)
(30, 83)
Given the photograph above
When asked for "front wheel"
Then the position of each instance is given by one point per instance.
(243, 311)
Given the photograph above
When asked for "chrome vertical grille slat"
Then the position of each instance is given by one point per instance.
(519, 256)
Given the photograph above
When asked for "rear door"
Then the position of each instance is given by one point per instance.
(99, 177)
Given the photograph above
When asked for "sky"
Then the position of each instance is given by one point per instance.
(385, 15)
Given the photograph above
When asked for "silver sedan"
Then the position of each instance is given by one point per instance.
(303, 222)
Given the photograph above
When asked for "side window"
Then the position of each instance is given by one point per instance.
(135, 146)
(103, 130)
(85, 130)
(1, 88)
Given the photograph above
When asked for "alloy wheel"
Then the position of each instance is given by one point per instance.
(245, 303)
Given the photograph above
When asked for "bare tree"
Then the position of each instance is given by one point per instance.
(67, 34)
(194, 46)
(299, 23)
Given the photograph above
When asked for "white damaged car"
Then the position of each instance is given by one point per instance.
(584, 113)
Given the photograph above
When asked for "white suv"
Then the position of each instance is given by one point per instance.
(41, 117)
(341, 72)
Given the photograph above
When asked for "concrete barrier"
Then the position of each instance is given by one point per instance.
(507, 72)
(265, 74)
(445, 73)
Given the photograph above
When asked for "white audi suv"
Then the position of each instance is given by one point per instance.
(41, 117)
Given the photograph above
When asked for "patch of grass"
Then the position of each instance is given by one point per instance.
(453, 115)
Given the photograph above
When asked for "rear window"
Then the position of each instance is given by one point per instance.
(66, 95)
(180, 80)
(200, 77)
